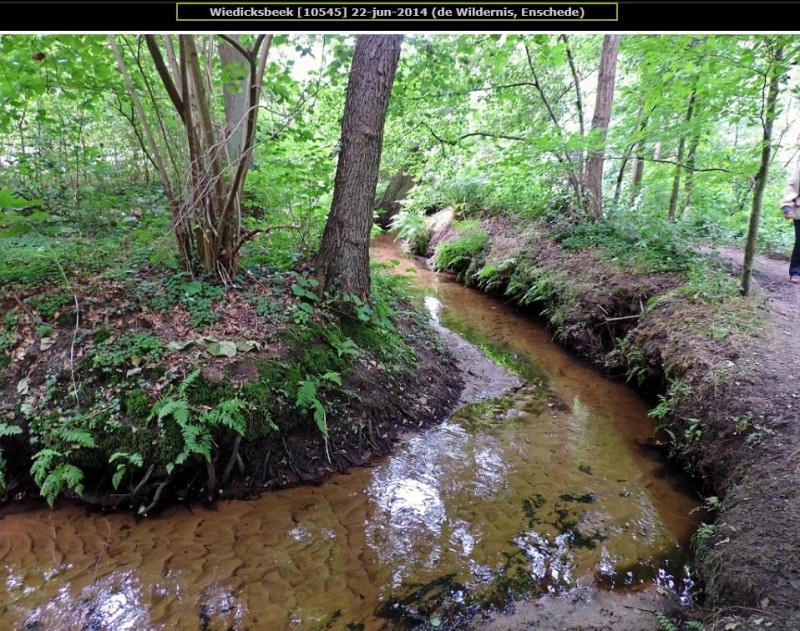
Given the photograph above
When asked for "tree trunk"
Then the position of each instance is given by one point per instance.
(234, 96)
(343, 256)
(691, 160)
(676, 180)
(631, 151)
(593, 175)
(389, 203)
(763, 170)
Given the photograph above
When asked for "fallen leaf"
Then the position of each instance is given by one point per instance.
(764, 603)
(223, 348)
(177, 345)
(247, 345)
(22, 386)
(47, 342)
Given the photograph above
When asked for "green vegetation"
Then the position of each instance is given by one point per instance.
(163, 307)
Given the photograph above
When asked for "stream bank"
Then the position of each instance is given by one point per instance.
(726, 391)
(543, 490)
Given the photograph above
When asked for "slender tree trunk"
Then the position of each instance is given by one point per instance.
(691, 161)
(632, 150)
(676, 180)
(768, 119)
(343, 256)
(593, 176)
(637, 176)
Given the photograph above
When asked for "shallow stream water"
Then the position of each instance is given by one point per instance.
(534, 493)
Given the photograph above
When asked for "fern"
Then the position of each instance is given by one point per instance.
(176, 408)
(228, 414)
(51, 482)
(77, 437)
(6, 430)
(9, 430)
(133, 459)
(333, 377)
(187, 383)
(41, 464)
(308, 400)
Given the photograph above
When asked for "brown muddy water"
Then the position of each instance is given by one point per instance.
(534, 493)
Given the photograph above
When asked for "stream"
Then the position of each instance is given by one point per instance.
(537, 492)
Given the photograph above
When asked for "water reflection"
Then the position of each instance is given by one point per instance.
(533, 493)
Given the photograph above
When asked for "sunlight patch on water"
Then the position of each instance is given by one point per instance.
(434, 307)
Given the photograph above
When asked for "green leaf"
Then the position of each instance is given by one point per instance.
(178, 345)
(9, 430)
(247, 345)
(9, 200)
(224, 348)
(333, 377)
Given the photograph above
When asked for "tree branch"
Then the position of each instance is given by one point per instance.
(684, 166)
(574, 70)
(161, 68)
(242, 50)
(251, 233)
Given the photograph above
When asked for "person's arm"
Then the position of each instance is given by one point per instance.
(791, 193)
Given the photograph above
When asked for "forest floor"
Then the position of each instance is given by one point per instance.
(726, 371)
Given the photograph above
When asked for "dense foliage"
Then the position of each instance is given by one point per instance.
(483, 124)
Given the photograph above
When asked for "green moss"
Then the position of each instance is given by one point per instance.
(138, 405)
(465, 255)
(102, 335)
(204, 392)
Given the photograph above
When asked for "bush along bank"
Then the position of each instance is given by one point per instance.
(640, 303)
(133, 395)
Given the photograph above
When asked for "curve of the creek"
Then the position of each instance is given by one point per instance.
(537, 492)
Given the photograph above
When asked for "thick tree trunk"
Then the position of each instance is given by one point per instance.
(234, 96)
(593, 176)
(763, 170)
(389, 203)
(343, 257)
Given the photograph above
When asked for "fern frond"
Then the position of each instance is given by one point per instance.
(176, 408)
(9, 430)
(41, 464)
(228, 413)
(333, 377)
(118, 475)
(307, 393)
(319, 418)
(53, 484)
(73, 477)
(77, 437)
(186, 383)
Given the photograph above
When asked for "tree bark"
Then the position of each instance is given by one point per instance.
(691, 161)
(629, 151)
(234, 96)
(768, 119)
(676, 180)
(343, 257)
(593, 175)
(389, 203)
(637, 176)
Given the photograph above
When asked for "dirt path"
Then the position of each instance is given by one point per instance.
(755, 551)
